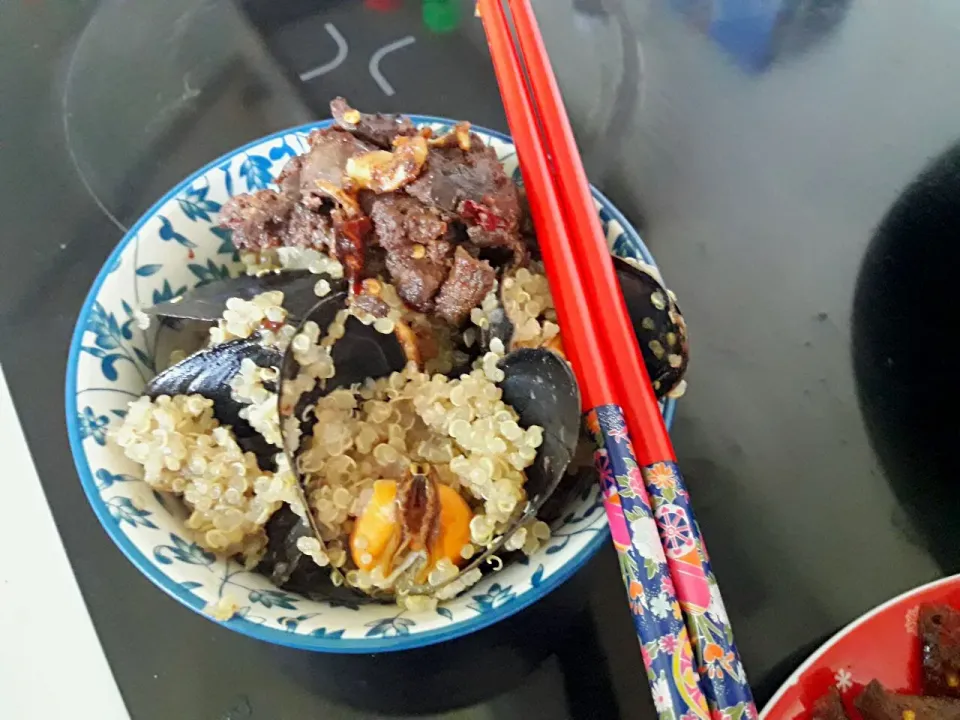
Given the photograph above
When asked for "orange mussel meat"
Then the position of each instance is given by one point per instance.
(417, 514)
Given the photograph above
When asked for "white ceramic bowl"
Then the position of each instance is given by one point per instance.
(177, 245)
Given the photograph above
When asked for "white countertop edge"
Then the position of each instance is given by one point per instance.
(51, 662)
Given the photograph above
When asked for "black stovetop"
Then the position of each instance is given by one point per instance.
(757, 144)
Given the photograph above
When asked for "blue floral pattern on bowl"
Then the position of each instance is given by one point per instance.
(177, 245)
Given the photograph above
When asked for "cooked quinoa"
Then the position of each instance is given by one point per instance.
(527, 303)
(244, 317)
(291, 258)
(247, 387)
(460, 426)
(184, 450)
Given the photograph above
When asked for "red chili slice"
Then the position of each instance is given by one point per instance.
(481, 215)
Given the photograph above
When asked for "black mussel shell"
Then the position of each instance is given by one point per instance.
(498, 326)
(658, 324)
(656, 319)
(580, 477)
(208, 302)
(573, 485)
(361, 353)
(208, 373)
(540, 386)
(281, 558)
(290, 569)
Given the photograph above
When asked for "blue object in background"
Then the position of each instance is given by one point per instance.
(756, 32)
(744, 28)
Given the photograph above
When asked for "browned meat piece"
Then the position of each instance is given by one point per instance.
(877, 703)
(389, 200)
(289, 177)
(473, 186)
(375, 261)
(452, 176)
(940, 640)
(379, 129)
(401, 221)
(469, 282)
(417, 279)
(510, 241)
(307, 228)
(258, 220)
(829, 707)
(366, 199)
(418, 253)
(298, 215)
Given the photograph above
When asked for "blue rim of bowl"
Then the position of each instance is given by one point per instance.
(245, 627)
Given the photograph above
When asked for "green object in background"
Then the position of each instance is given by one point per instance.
(441, 16)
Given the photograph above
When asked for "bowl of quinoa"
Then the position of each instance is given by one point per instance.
(192, 509)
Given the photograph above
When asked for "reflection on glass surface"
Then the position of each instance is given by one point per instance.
(155, 90)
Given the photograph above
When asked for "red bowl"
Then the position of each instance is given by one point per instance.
(883, 644)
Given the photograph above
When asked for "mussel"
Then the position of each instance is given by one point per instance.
(539, 385)
(657, 322)
(208, 302)
(536, 382)
(361, 353)
(414, 523)
(208, 373)
(282, 560)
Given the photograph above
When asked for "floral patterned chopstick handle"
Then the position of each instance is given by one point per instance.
(725, 681)
(639, 498)
(657, 616)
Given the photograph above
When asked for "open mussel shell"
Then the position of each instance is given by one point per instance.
(540, 386)
(657, 323)
(581, 476)
(660, 328)
(208, 302)
(282, 558)
(289, 568)
(361, 353)
(208, 373)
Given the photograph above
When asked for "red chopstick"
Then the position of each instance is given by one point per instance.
(582, 345)
(676, 694)
(560, 196)
(650, 437)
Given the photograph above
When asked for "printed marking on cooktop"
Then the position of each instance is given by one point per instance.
(375, 59)
(342, 50)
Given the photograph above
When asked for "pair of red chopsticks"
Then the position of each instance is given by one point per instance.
(691, 660)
